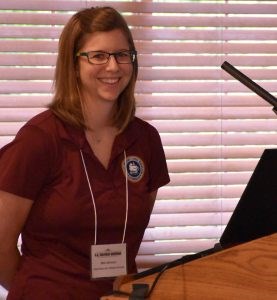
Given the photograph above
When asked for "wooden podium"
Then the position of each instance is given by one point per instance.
(246, 271)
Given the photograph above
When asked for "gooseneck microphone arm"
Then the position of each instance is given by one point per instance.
(250, 84)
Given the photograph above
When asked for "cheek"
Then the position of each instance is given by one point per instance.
(86, 75)
(128, 73)
(85, 70)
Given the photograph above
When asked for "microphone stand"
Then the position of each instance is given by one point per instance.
(250, 84)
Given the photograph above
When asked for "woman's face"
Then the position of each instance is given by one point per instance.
(104, 82)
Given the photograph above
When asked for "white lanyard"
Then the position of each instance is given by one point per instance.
(93, 200)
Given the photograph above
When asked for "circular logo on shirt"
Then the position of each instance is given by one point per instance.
(134, 168)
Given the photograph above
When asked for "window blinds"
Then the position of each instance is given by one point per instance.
(213, 128)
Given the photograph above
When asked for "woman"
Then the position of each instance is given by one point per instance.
(79, 180)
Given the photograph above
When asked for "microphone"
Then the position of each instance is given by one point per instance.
(250, 84)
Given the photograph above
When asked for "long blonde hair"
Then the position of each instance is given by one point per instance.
(66, 103)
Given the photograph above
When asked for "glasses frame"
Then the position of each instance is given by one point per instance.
(133, 56)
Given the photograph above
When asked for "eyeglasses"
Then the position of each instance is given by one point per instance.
(102, 57)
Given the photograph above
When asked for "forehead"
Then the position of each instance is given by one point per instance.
(105, 40)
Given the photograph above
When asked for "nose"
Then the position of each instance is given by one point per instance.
(112, 64)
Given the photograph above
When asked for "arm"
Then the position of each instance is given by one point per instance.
(14, 211)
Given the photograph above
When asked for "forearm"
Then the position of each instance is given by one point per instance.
(9, 260)
(14, 211)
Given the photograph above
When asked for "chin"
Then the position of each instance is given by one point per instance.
(110, 97)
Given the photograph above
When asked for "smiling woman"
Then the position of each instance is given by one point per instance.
(83, 198)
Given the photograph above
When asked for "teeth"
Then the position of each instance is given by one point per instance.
(109, 80)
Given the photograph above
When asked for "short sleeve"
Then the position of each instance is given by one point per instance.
(158, 167)
(25, 163)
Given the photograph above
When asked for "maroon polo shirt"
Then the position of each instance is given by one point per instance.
(43, 163)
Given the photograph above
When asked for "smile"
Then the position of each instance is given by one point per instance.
(109, 80)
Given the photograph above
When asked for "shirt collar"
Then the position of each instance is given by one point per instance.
(72, 134)
(77, 136)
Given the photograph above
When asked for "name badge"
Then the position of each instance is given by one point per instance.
(108, 260)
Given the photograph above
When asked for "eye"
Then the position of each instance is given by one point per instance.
(97, 55)
(123, 54)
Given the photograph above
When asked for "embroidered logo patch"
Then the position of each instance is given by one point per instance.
(135, 168)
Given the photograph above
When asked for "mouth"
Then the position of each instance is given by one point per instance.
(109, 80)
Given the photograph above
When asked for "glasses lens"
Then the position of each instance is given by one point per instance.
(124, 57)
(98, 58)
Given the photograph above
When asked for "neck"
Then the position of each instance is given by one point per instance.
(98, 115)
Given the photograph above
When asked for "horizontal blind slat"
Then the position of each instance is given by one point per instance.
(146, 20)
(216, 218)
(144, 7)
(148, 100)
(168, 113)
(193, 206)
(148, 60)
(143, 86)
(210, 165)
(149, 47)
(7, 31)
(215, 151)
(182, 233)
(205, 192)
(34, 73)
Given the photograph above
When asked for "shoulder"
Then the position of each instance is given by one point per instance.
(143, 126)
(147, 132)
(44, 124)
(44, 120)
(50, 131)
(39, 133)
(144, 133)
